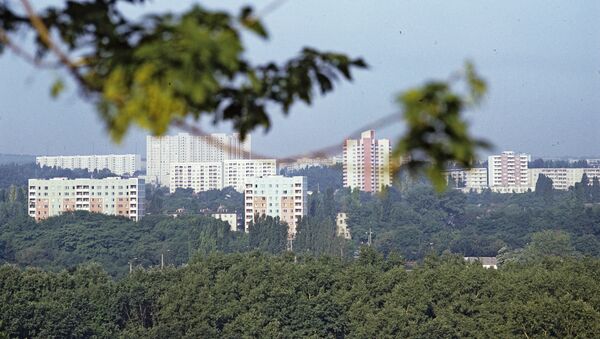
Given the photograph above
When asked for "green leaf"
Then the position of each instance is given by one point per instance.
(57, 87)
(252, 23)
(437, 131)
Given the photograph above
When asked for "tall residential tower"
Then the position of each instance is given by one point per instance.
(367, 163)
(508, 172)
(278, 197)
(163, 151)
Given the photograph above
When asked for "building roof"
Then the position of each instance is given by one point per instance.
(491, 261)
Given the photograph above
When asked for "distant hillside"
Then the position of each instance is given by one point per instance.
(16, 158)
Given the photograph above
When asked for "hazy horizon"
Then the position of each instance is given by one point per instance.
(541, 60)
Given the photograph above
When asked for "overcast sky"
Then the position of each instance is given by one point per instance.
(541, 60)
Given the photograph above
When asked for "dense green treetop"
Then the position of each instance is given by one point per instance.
(258, 295)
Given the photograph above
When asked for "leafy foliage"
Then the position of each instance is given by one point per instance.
(257, 295)
(161, 202)
(72, 239)
(416, 221)
(541, 163)
(268, 234)
(320, 178)
(544, 186)
(167, 67)
(437, 133)
(18, 174)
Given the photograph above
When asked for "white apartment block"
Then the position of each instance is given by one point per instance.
(367, 163)
(508, 172)
(236, 172)
(230, 218)
(204, 176)
(199, 176)
(473, 180)
(113, 196)
(276, 196)
(119, 164)
(563, 178)
(161, 152)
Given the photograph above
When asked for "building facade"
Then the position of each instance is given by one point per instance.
(236, 172)
(119, 164)
(563, 178)
(469, 180)
(112, 196)
(367, 163)
(275, 196)
(161, 152)
(341, 226)
(199, 176)
(230, 218)
(508, 172)
(204, 176)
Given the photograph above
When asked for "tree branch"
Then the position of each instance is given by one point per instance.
(44, 34)
(23, 54)
(320, 152)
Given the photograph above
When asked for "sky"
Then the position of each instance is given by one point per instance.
(541, 60)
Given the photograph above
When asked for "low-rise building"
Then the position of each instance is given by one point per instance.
(276, 196)
(341, 226)
(486, 262)
(112, 196)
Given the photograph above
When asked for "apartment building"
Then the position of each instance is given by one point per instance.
(469, 180)
(367, 163)
(563, 178)
(199, 176)
(230, 218)
(236, 172)
(119, 164)
(204, 176)
(112, 196)
(163, 151)
(276, 196)
(508, 172)
(341, 226)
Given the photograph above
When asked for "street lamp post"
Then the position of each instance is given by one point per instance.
(131, 264)
(162, 259)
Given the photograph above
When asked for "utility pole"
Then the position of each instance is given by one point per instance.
(370, 233)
